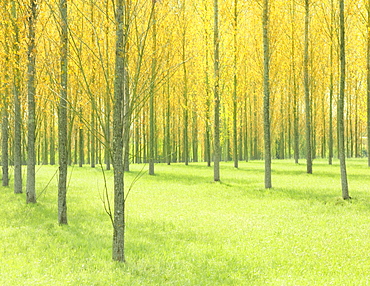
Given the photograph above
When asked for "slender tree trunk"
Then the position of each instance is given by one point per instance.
(127, 121)
(107, 148)
(295, 92)
(93, 135)
(195, 135)
(17, 106)
(331, 89)
(108, 94)
(235, 88)
(216, 135)
(307, 90)
(62, 119)
(342, 155)
(4, 142)
(45, 151)
(152, 94)
(119, 201)
(185, 94)
(246, 133)
(52, 140)
(266, 98)
(207, 147)
(5, 112)
(168, 115)
(81, 146)
(31, 162)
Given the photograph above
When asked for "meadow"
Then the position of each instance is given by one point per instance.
(184, 229)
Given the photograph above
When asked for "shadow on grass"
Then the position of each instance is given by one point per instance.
(183, 255)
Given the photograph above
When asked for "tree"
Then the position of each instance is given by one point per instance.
(216, 135)
(331, 91)
(307, 88)
(235, 88)
(342, 155)
(62, 118)
(295, 92)
(119, 80)
(17, 103)
(266, 98)
(4, 111)
(31, 160)
(152, 93)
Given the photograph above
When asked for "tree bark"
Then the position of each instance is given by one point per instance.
(81, 146)
(93, 135)
(295, 93)
(5, 113)
(17, 106)
(195, 135)
(266, 98)
(31, 162)
(119, 202)
(331, 91)
(152, 93)
(62, 119)
(52, 139)
(216, 135)
(235, 89)
(342, 155)
(307, 89)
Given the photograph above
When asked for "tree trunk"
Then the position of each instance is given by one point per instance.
(185, 96)
(31, 162)
(295, 93)
(17, 106)
(168, 124)
(266, 98)
(307, 90)
(45, 150)
(152, 93)
(62, 119)
(81, 147)
(93, 135)
(5, 113)
(127, 122)
(52, 140)
(216, 135)
(235, 89)
(331, 89)
(119, 202)
(342, 155)
(195, 136)
(4, 142)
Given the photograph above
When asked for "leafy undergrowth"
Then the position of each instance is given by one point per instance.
(183, 229)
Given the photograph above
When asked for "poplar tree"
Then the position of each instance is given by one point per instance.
(17, 145)
(62, 116)
(216, 135)
(307, 88)
(235, 88)
(31, 160)
(119, 201)
(266, 98)
(341, 147)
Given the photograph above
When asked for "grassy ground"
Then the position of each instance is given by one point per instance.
(183, 229)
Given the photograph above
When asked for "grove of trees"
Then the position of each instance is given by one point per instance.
(120, 82)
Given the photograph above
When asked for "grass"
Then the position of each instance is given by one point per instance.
(183, 229)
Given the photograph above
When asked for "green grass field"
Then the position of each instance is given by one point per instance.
(183, 229)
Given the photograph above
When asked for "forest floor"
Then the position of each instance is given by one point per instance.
(183, 229)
